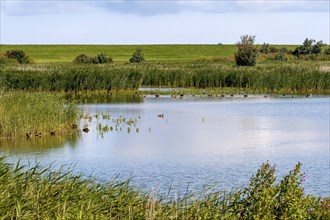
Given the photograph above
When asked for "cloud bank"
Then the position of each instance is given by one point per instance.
(162, 21)
(153, 8)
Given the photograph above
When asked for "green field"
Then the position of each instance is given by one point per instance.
(121, 53)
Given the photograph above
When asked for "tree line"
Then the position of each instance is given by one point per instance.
(247, 51)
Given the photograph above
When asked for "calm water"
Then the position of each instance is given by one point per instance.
(198, 141)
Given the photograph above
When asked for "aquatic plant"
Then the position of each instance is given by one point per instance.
(34, 114)
(108, 123)
(35, 192)
(280, 77)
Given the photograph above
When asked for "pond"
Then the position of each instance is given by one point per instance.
(193, 141)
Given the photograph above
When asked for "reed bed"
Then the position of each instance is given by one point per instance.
(281, 77)
(34, 192)
(30, 114)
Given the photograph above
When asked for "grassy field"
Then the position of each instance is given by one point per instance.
(42, 54)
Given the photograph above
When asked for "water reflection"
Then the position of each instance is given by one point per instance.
(104, 97)
(199, 141)
(39, 144)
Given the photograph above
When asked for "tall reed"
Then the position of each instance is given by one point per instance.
(33, 192)
(271, 77)
(34, 113)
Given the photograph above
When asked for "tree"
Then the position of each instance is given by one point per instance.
(137, 56)
(309, 47)
(247, 52)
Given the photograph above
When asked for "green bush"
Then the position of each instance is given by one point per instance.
(18, 55)
(309, 47)
(82, 58)
(327, 51)
(281, 56)
(264, 198)
(265, 48)
(101, 58)
(247, 53)
(273, 49)
(137, 56)
(98, 59)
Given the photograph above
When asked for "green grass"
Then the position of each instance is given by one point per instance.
(34, 192)
(122, 53)
(34, 113)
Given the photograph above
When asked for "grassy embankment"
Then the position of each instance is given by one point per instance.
(65, 54)
(39, 193)
(48, 54)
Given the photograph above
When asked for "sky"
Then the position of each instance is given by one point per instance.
(163, 21)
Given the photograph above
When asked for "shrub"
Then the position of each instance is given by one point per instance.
(265, 48)
(273, 49)
(327, 51)
(264, 198)
(247, 53)
(98, 59)
(18, 55)
(309, 47)
(281, 56)
(82, 58)
(102, 58)
(284, 50)
(137, 56)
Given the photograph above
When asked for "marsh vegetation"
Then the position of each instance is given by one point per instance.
(34, 192)
(35, 114)
(35, 103)
(303, 77)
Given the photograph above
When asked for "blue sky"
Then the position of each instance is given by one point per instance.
(163, 22)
